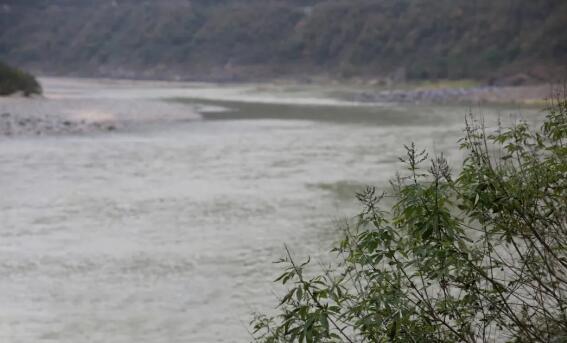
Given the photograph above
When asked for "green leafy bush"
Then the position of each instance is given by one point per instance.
(476, 257)
(13, 80)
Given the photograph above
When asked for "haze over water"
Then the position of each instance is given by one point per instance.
(165, 229)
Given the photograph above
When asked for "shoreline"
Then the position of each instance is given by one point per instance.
(83, 106)
(18, 124)
(522, 95)
(365, 91)
(54, 116)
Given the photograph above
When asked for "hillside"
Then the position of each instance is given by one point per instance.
(255, 39)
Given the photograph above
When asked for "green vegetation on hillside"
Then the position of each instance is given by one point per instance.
(14, 80)
(425, 39)
(480, 256)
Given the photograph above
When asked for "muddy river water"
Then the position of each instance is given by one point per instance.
(164, 229)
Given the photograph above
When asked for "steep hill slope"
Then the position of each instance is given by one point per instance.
(250, 39)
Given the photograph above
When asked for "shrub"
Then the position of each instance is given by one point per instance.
(13, 80)
(476, 257)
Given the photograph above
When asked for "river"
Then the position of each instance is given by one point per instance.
(164, 230)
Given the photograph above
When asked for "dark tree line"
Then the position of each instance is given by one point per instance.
(427, 38)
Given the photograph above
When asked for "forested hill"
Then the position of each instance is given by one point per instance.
(251, 39)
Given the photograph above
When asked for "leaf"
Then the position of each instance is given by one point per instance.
(394, 330)
(287, 297)
(324, 322)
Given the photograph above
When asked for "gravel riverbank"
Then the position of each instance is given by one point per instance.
(40, 116)
(24, 125)
(532, 94)
(89, 106)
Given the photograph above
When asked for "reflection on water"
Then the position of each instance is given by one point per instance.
(167, 234)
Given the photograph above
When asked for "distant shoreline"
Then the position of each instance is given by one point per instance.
(524, 95)
(106, 105)
(374, 91)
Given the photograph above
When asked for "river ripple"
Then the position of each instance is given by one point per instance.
(166, 233)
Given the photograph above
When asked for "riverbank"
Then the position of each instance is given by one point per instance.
(525, 95)
(84, 106)
(57, 114)
(41, 125)
(325, 91)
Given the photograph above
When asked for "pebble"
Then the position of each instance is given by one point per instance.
(420, 96)
(21, 125)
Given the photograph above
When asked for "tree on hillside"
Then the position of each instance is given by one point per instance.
(429, 38)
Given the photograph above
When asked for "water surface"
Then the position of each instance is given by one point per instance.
(165, 232)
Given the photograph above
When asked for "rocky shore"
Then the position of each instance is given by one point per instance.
(34, 125)
(419, 96)
(483, 94)
(76, 106)
(65, 115)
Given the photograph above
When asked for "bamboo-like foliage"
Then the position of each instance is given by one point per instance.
(476, 257)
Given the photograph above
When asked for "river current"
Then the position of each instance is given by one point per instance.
(165, 230)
